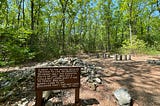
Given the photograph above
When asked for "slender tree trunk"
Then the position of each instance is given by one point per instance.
(148, 29)
(38, 17)
(108, 26)
(95, 35)
(130, 21)
(32, 14)
(158, 6)
(63, 32)
(19, 12)
(148, 24)
(32, 25)
(90, 45)
(141, 28)
(57, 32)
(122, 34)
(7, 11)
(64, 6)
(70, 33)
(130, 32)
(116, 39)
(49, 27)
(23, 14)
(108, 38)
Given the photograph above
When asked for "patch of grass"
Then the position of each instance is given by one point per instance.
(150, 51)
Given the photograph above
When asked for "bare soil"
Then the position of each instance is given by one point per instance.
(141, 79)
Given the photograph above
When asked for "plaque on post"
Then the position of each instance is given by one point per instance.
(54, 78)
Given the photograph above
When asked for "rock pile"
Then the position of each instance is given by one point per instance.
(20, 82)
(88, 70)
(157, 62)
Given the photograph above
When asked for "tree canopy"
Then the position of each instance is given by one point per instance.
(43, 29)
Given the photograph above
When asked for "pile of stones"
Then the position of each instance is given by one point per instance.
(21, 80)
(157, 62)
(90, 71)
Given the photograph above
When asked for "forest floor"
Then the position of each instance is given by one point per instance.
(140, 78)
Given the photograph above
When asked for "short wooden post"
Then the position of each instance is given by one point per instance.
(125, 57)
(77, 100)
(116, 57)
(97, 55)
(38, 98)
(120, 57)
(108, 56)
(129, 57)
(104, 55)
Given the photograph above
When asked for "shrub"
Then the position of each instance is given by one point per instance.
(137, 47)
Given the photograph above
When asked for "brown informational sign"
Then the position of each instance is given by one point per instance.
(53, 78)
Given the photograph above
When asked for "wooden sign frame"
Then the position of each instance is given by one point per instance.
(54, 78)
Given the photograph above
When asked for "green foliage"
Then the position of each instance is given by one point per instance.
(19, 54)
(72, 50)
(54, 28)
(13, 48)
(151, 51)
(138, 46)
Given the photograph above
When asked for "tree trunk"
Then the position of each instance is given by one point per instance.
(32, 25)
(32, 15)
(122, 34)
(19, 12)
(158, 6)
(130, 21)
(108, 26)
(141, 28)
(49, 26)
(7, 17)
(64, 6)
(38, 17)
(23, 14)
(63, 32)
(130, 33)
(108, 39)
(70, 33)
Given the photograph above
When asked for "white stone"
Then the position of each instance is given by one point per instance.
(122, 96)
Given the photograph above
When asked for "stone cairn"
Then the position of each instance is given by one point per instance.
(26, 75)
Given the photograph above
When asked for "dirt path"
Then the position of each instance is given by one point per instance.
(142, 79)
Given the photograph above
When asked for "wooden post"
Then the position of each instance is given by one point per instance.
(38, 98)
(120, 57)
(129, 57)
(125, 57)
(77, 100)
(97, 55)
(108, 56)
(104, 55)
(116, 57)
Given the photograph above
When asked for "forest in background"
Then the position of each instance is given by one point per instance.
(44, 29)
